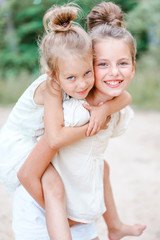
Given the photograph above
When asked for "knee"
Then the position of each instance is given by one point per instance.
(52, 185)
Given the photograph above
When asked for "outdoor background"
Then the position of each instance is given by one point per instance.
(21, 27)
(134, 158)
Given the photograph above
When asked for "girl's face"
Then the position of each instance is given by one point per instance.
(113, 67)
(76, 76)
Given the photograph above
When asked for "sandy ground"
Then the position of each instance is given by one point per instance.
(134, 160)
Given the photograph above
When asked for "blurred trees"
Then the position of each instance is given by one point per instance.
(144, 22)
(21, 25)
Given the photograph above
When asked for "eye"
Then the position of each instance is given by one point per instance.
(123, 63)
(88, 73)
(71, 78)
(103, 64)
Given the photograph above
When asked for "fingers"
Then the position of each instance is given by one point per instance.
(90, 127)
(93, 128)
(107, 122)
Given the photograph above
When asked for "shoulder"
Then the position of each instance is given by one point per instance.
(39, 93)
(123, 115)
(121, 120)
(46, 90)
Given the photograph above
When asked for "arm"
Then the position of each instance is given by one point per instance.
(38, 160)
(100, 113)
(117, 103)
(57, 135)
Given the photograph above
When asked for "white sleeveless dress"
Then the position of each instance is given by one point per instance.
(79, 165)
(18, 135)
(21, 131)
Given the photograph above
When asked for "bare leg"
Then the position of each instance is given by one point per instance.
(54, 195)
(116, 229)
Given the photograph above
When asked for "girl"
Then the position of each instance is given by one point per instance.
(67, 56)
(114, 52)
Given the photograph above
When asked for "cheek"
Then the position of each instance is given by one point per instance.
(70, 88)
(128, 73)
(98, 73)
(97, 83)
(67, 88)
(92, 81)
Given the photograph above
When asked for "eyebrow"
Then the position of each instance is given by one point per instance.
(105, 59)
(69, 74)
(124, 58)
(100, 59)
(75, 74)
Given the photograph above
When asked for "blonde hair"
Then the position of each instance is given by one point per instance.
(106, 20)
(63, 37)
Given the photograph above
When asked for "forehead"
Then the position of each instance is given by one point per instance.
(112, 48)
(74, 64)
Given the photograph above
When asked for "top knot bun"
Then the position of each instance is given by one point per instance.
(105, 13)
(59, 19)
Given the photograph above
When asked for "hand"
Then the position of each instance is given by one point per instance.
(97, 120)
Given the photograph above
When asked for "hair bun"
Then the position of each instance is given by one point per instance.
(59, 19)
(105, 13)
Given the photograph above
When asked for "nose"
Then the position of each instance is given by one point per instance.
(82, 83)
(113, 71)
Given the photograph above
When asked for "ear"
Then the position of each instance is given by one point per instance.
(48, 72)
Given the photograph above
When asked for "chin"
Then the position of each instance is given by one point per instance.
(116, 94)
(81, 98)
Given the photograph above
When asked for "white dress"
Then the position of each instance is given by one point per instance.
(81, 166)
(29, 222)
(18, 135)
(21, 132)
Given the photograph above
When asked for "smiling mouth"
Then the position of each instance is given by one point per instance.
(113, 83)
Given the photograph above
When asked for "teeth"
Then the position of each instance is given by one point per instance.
(113, 83)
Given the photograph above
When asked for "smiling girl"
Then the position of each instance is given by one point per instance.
(67, 58)
(114, 52)
(81, 164)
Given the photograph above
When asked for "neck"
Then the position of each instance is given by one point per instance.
(95, 97)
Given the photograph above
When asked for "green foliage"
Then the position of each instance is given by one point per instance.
(21, 25)
(143, 22)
